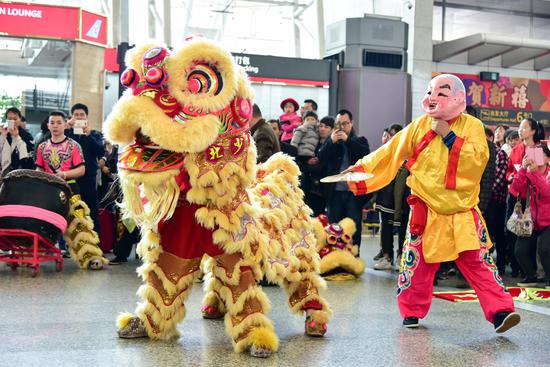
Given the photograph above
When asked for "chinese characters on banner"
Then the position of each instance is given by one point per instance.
(508, 100)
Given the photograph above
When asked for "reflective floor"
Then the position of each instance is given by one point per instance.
(68, 319)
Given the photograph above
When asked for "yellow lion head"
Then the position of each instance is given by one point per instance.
(181, 101)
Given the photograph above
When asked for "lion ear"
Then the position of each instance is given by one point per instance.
(348, 225)
(134, 56)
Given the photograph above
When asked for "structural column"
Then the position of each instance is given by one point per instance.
(87, 80)
(419, 15)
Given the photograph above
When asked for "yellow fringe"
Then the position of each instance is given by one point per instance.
(262, 337)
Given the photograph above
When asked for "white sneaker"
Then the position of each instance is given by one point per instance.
(397, 264)
(383, 264)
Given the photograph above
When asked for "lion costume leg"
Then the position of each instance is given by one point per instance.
(245, 303)
(81, 238)
(304, 297)
(168, 281)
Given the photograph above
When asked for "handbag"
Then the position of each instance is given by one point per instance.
(521, 222)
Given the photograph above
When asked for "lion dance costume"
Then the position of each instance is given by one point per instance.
(338, 254)
(190, 180)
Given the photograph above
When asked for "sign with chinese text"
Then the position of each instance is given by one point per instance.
(508, 100)
(52, 22)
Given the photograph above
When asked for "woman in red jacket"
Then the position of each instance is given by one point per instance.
(538, 180)
(531, 133)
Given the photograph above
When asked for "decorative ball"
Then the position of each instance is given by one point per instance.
(154, 56)
(242, 110)
(129, 78)
(155, 77)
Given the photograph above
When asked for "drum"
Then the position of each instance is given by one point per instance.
(34, 201)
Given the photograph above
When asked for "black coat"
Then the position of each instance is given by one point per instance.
(92, 148)
(332, 155)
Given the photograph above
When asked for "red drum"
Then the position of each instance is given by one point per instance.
(34, 201)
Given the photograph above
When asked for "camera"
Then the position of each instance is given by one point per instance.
(409, 5)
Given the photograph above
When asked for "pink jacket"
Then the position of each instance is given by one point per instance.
(540, 195)
(289, 122)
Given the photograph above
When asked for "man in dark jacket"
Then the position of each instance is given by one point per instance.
(267, 143)
(91, 143)
(342, 149)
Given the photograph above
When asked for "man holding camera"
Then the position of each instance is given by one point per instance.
(341, 150)
(91, 142)
(16, 143)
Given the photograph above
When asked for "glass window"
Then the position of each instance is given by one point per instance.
(37, 74)
(462, 22)
(437, 23)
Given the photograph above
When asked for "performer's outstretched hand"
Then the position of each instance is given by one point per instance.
(441, 127)
(352, 168)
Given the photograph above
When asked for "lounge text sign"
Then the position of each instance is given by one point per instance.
(52, 22)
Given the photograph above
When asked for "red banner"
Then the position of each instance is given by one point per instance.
(54, 22)
(94, 28)
(57, 22)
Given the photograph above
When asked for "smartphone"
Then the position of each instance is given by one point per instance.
(535, 154)
(11, 124)
(78, 127)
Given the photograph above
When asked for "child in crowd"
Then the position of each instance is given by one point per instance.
(306, 137)
(290, 119)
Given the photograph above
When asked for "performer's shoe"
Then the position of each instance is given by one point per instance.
(505, 320)
(211, 312)
(95, 264)
(314, 328)
(134, 329)
(410, 322)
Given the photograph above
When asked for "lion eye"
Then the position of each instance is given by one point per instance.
(204, 79)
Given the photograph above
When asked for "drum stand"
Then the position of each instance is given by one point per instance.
(24, 247)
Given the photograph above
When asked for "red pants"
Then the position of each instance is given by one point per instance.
(415, 283)
(182, 236)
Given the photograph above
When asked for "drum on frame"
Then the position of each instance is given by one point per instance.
(34, 201)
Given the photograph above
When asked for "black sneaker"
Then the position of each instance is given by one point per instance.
(410, 322)
(379, 255)
(117, 261)
(528, 282)
(505, 320)
(65, 254)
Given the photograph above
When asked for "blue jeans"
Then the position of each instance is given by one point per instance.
(344, 204)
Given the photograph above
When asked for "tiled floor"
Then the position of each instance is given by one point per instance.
(68, 319)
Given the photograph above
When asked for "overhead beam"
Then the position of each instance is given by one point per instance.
(542, 62)
(485, 52)
(445, 50)
(520, 55)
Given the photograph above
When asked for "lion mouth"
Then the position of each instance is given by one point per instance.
(144, 155)
(144, 140)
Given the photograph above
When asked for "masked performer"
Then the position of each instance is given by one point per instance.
(447, 153)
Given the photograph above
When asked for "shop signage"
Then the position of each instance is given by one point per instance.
(284, 70)
(52, 22)
(508, 100)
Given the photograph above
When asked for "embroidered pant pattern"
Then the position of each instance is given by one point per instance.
(415, 282)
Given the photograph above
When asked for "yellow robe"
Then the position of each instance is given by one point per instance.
(450, 227)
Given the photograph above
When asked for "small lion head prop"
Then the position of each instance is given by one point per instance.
(337, 251)
(194, 100)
